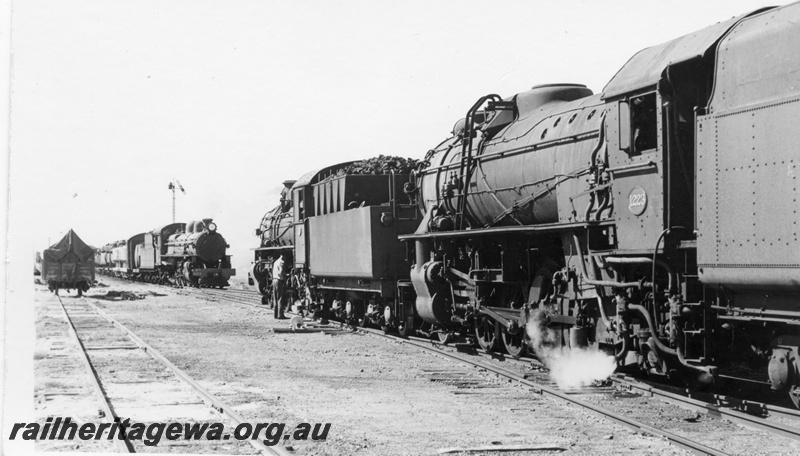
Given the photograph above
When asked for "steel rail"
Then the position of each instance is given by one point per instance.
(220, 406)
(711, 409)
(715, 410)
(123, 444)
(243, 300)
(675, 439)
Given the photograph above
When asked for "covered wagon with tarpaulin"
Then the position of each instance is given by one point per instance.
(68, 264)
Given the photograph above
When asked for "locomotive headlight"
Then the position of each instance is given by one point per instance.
(212, 227)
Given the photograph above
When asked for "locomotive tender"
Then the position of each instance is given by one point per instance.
(657, 220)
(191, 254)
(339, 225)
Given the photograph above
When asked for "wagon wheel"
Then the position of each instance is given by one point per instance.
(514, 343)
(487, 332)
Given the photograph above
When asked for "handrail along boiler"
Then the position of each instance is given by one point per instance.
(657, 220)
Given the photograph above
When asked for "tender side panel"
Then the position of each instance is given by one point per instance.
(341, 244)
(748, 221)
(353, 244)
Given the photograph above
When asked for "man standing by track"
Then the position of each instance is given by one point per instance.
(278, 288)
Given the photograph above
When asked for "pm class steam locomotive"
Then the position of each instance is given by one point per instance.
(657, 220)
(188, 254)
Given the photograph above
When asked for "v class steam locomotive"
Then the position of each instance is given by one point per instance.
(657, 220)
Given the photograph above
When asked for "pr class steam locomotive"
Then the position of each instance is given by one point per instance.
(184, 254)
(657, 220)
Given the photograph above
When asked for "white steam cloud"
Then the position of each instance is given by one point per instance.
(569, 367)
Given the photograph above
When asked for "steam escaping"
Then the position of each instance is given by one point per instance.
(569, 367)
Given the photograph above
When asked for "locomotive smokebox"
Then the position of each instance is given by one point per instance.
(210, 247)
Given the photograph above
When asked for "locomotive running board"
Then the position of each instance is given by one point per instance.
(532, 229)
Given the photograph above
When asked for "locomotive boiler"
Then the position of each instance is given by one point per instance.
(640, 220)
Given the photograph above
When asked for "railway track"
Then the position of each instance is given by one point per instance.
(780, 421)
(130, 384)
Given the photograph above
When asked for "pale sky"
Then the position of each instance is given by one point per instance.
(113, 99)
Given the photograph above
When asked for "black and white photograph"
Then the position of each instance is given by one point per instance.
(364, 227)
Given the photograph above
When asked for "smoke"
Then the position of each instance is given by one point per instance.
(569, 367)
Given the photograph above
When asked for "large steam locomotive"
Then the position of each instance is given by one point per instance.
(186, 254)
(657, 220)
(338, 228)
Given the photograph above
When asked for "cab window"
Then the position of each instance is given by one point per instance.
(644, 123)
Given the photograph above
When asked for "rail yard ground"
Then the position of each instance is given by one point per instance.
(380, 397)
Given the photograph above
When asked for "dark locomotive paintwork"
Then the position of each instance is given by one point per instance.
(656, 220)
(191, 253)
(277, 238)
(346, 257)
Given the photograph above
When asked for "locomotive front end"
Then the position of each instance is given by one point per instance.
(199, 256)
(209, 245)
(276, 235)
